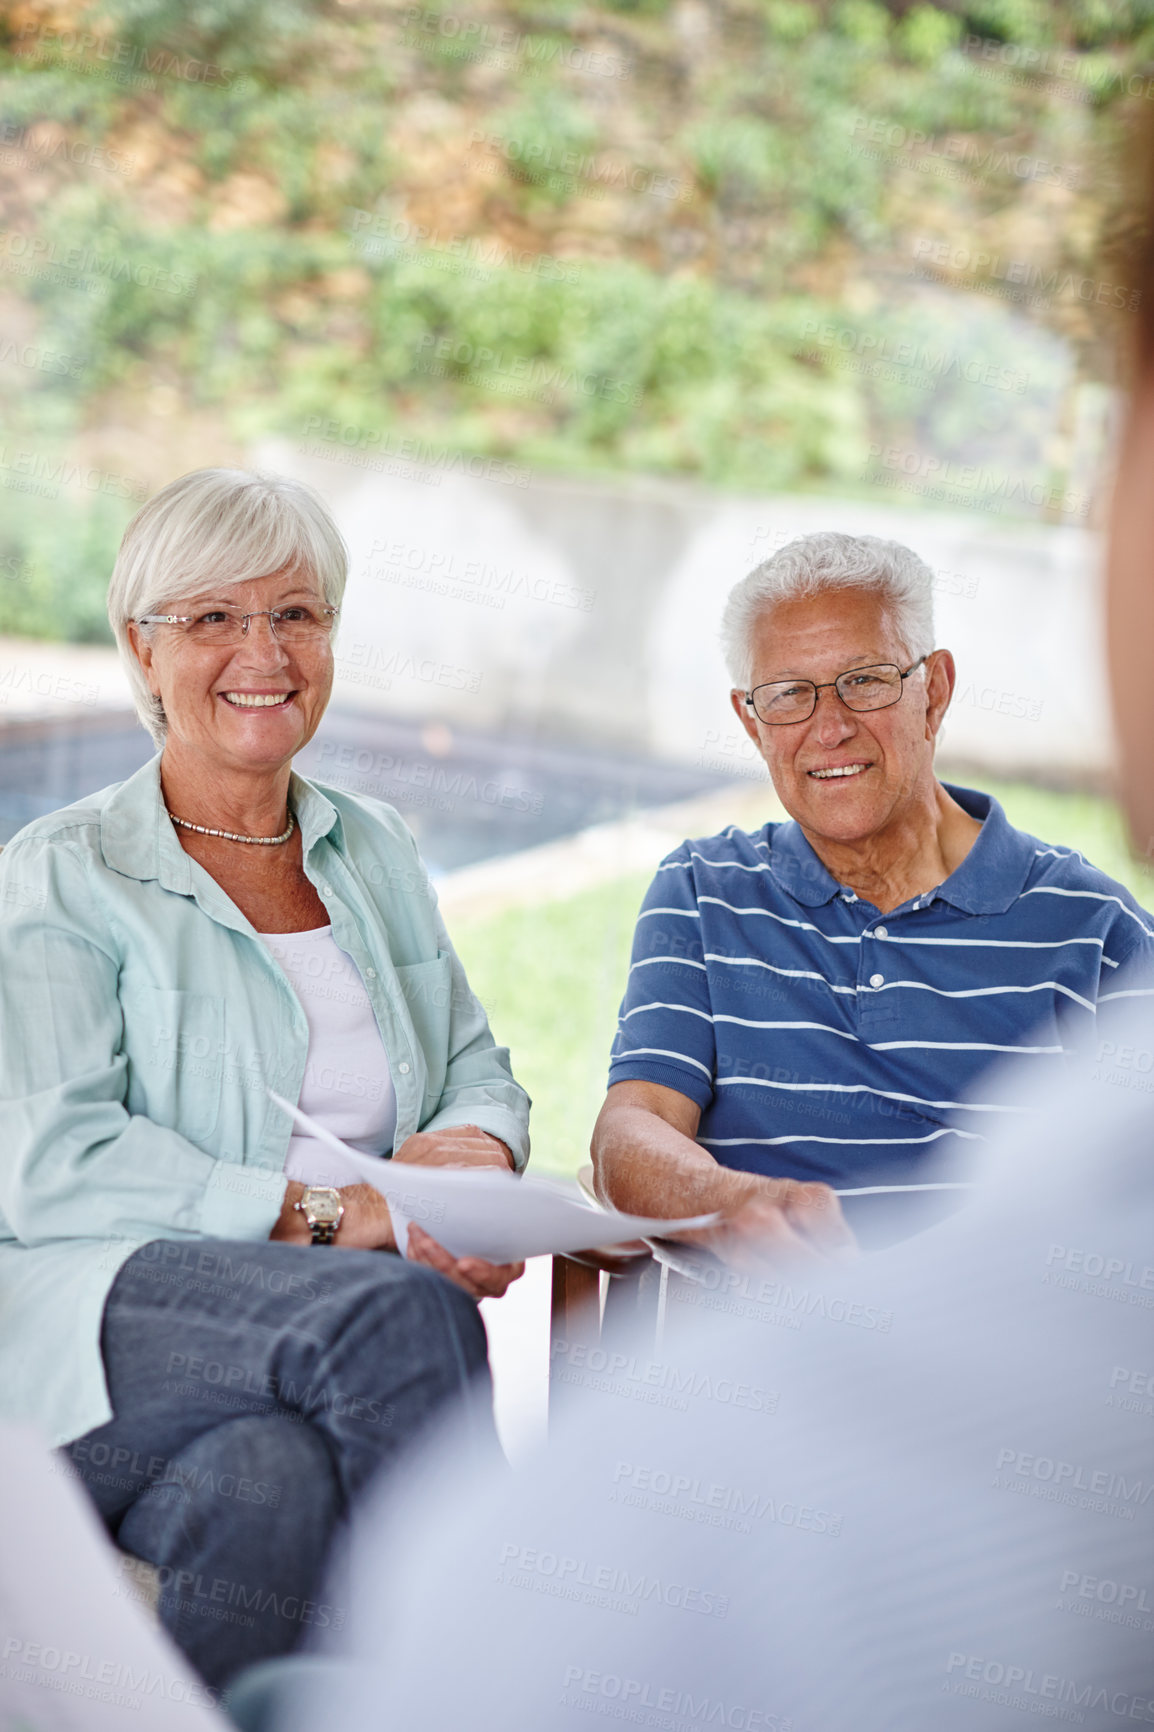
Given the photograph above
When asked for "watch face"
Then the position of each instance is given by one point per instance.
(324, 1207)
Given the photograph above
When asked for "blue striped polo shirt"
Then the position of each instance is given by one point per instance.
(825, 1040)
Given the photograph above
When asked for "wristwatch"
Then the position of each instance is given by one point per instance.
(322, 1208)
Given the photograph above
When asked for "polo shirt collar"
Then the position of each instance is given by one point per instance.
(137, 837)
(989, 880)
(994, 872)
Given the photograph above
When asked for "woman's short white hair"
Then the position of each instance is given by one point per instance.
(208, 530)
(815, 564)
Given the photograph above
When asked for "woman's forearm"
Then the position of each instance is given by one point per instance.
(366, 1224)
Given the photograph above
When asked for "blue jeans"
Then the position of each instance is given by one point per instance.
(256, 1389)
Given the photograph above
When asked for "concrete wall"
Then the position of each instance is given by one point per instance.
(590, 612)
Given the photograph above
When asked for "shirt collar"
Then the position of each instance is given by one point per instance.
(994, 872)
(137, 837)
(989, 880)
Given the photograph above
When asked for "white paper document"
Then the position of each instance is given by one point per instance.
(481, 1212)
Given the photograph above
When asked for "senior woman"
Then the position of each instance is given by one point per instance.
(172, 947)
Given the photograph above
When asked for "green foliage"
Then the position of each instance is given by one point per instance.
(792, 20)
(926, 33)
(55, 562)
(664, 323)
(252, 37)
(547, 142)
(551, 980)
(1025, 21)
(863, 21)
(737, 157)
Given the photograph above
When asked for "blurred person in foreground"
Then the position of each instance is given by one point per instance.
(811, 1006)
(169, 948)
(910, 1494)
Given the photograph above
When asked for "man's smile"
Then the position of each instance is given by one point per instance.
(839, 770)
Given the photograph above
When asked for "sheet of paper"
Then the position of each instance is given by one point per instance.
(480, 1212)
(77, 1651)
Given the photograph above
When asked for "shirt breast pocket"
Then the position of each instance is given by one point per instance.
(175, 1048)
(427, 988)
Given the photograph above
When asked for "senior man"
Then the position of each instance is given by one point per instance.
(810, 1006)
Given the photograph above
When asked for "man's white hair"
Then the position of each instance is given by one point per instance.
(209, 530)
(815, 564)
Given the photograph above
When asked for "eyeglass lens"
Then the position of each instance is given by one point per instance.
(289, 625)
(871, 688)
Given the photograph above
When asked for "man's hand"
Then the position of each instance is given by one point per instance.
(460, 1146)
(647, 1162)
(479, 1279)
(780, 1220)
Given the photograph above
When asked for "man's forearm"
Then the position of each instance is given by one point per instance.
(646, 1166)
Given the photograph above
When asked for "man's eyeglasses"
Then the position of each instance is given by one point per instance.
(780, 702)
(295, 624)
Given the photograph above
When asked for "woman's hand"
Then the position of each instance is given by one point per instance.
(459, 1146)
(479, 1279)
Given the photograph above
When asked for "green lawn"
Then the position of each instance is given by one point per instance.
(551, 977)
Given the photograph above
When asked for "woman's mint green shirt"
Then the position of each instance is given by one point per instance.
(141, 1022)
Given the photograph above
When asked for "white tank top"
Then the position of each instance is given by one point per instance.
(348, 1086)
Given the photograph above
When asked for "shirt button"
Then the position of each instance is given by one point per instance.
(370, 974)
(404, 1069)
(877, 979)
(881, 932)
(326, 889)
